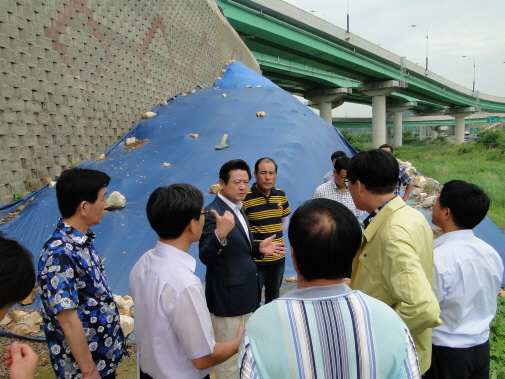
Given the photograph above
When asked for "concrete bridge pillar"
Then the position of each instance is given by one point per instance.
(327, 99)
(459, 113)
(389, 135)
(378, 115)
(434, 134)
(459, 130)
(422, 132)
(397, 110)
(378, 92)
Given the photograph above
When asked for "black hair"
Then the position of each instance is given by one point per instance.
(341, 164)
(170, 209)
(338, 154)
(386, 146)
(468, 203)
(234, 164)
(257, 164)
(77, 185)
(325, 236)
(377, 169)
(17, 272)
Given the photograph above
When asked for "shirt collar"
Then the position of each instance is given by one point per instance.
(74, 234)
(331, 290)
(391, 207)
(176, 254)
(229, 203)
(371, 216)
(256, 191)
(457, 234)
(336, 188)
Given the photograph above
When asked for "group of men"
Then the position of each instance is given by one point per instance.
(378, 326)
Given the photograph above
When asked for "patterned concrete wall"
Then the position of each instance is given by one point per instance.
(77, 75)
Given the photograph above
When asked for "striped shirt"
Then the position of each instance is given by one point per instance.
(330, 191)
(265, 214)
(339, 333)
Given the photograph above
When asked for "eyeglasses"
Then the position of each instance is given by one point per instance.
(344, 179)
(205, 213)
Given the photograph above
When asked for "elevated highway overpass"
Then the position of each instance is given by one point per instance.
(323, 63)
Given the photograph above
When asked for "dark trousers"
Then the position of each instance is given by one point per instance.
(271, 277)
(459, 363)
(143, 375)
(110, 376)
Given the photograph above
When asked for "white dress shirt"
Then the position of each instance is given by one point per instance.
(330, 191)
(237, 209)
(467, 275)
(172, 322)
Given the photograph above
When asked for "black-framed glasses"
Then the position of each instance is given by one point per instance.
(205, 213)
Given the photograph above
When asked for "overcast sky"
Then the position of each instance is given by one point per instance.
(474, 28)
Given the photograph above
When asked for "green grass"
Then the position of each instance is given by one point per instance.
(481, 164)
(470, 162)
(497, 342)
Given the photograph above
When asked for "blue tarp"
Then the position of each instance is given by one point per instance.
(293, 135)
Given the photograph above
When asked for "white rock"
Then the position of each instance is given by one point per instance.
(422, 196)
(119, 301)
(429, 201)
(35, 317)
(127, 324)
(430, 181)
(130, 141)
(166, 164)
(224, 95)
(26, 326)
(6, 321)
(411, 170)
(290, 279)
(116, 200)
(149, 114)
(128, 303)
(17, 315)
(52, 183)
(419, 181)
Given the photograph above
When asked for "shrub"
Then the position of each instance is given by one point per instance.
(440, 140)
(466, 148)
(408, 137)
(492, 139)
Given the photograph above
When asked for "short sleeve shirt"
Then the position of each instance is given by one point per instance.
(71, 276)
(265, 217)
(403, 180)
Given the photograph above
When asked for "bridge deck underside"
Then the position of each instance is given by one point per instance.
(300, 61)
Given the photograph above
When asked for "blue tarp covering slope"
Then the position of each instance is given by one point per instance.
(294, 136)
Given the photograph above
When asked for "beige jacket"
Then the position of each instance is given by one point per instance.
(394, 264)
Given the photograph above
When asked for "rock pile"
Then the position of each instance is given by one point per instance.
(425, 191)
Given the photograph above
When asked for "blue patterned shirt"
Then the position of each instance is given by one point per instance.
(71, 276)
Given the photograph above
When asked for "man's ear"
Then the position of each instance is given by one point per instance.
(447, 213)
(361, 187)
(81, 208)
(221, 183)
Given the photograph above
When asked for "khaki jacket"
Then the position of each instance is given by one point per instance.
(395, 264)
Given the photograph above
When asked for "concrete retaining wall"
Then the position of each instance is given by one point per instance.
(77, 75)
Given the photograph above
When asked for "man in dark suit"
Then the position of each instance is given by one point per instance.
(228, 250)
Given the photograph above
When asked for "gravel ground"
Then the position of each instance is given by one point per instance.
(127, 369)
